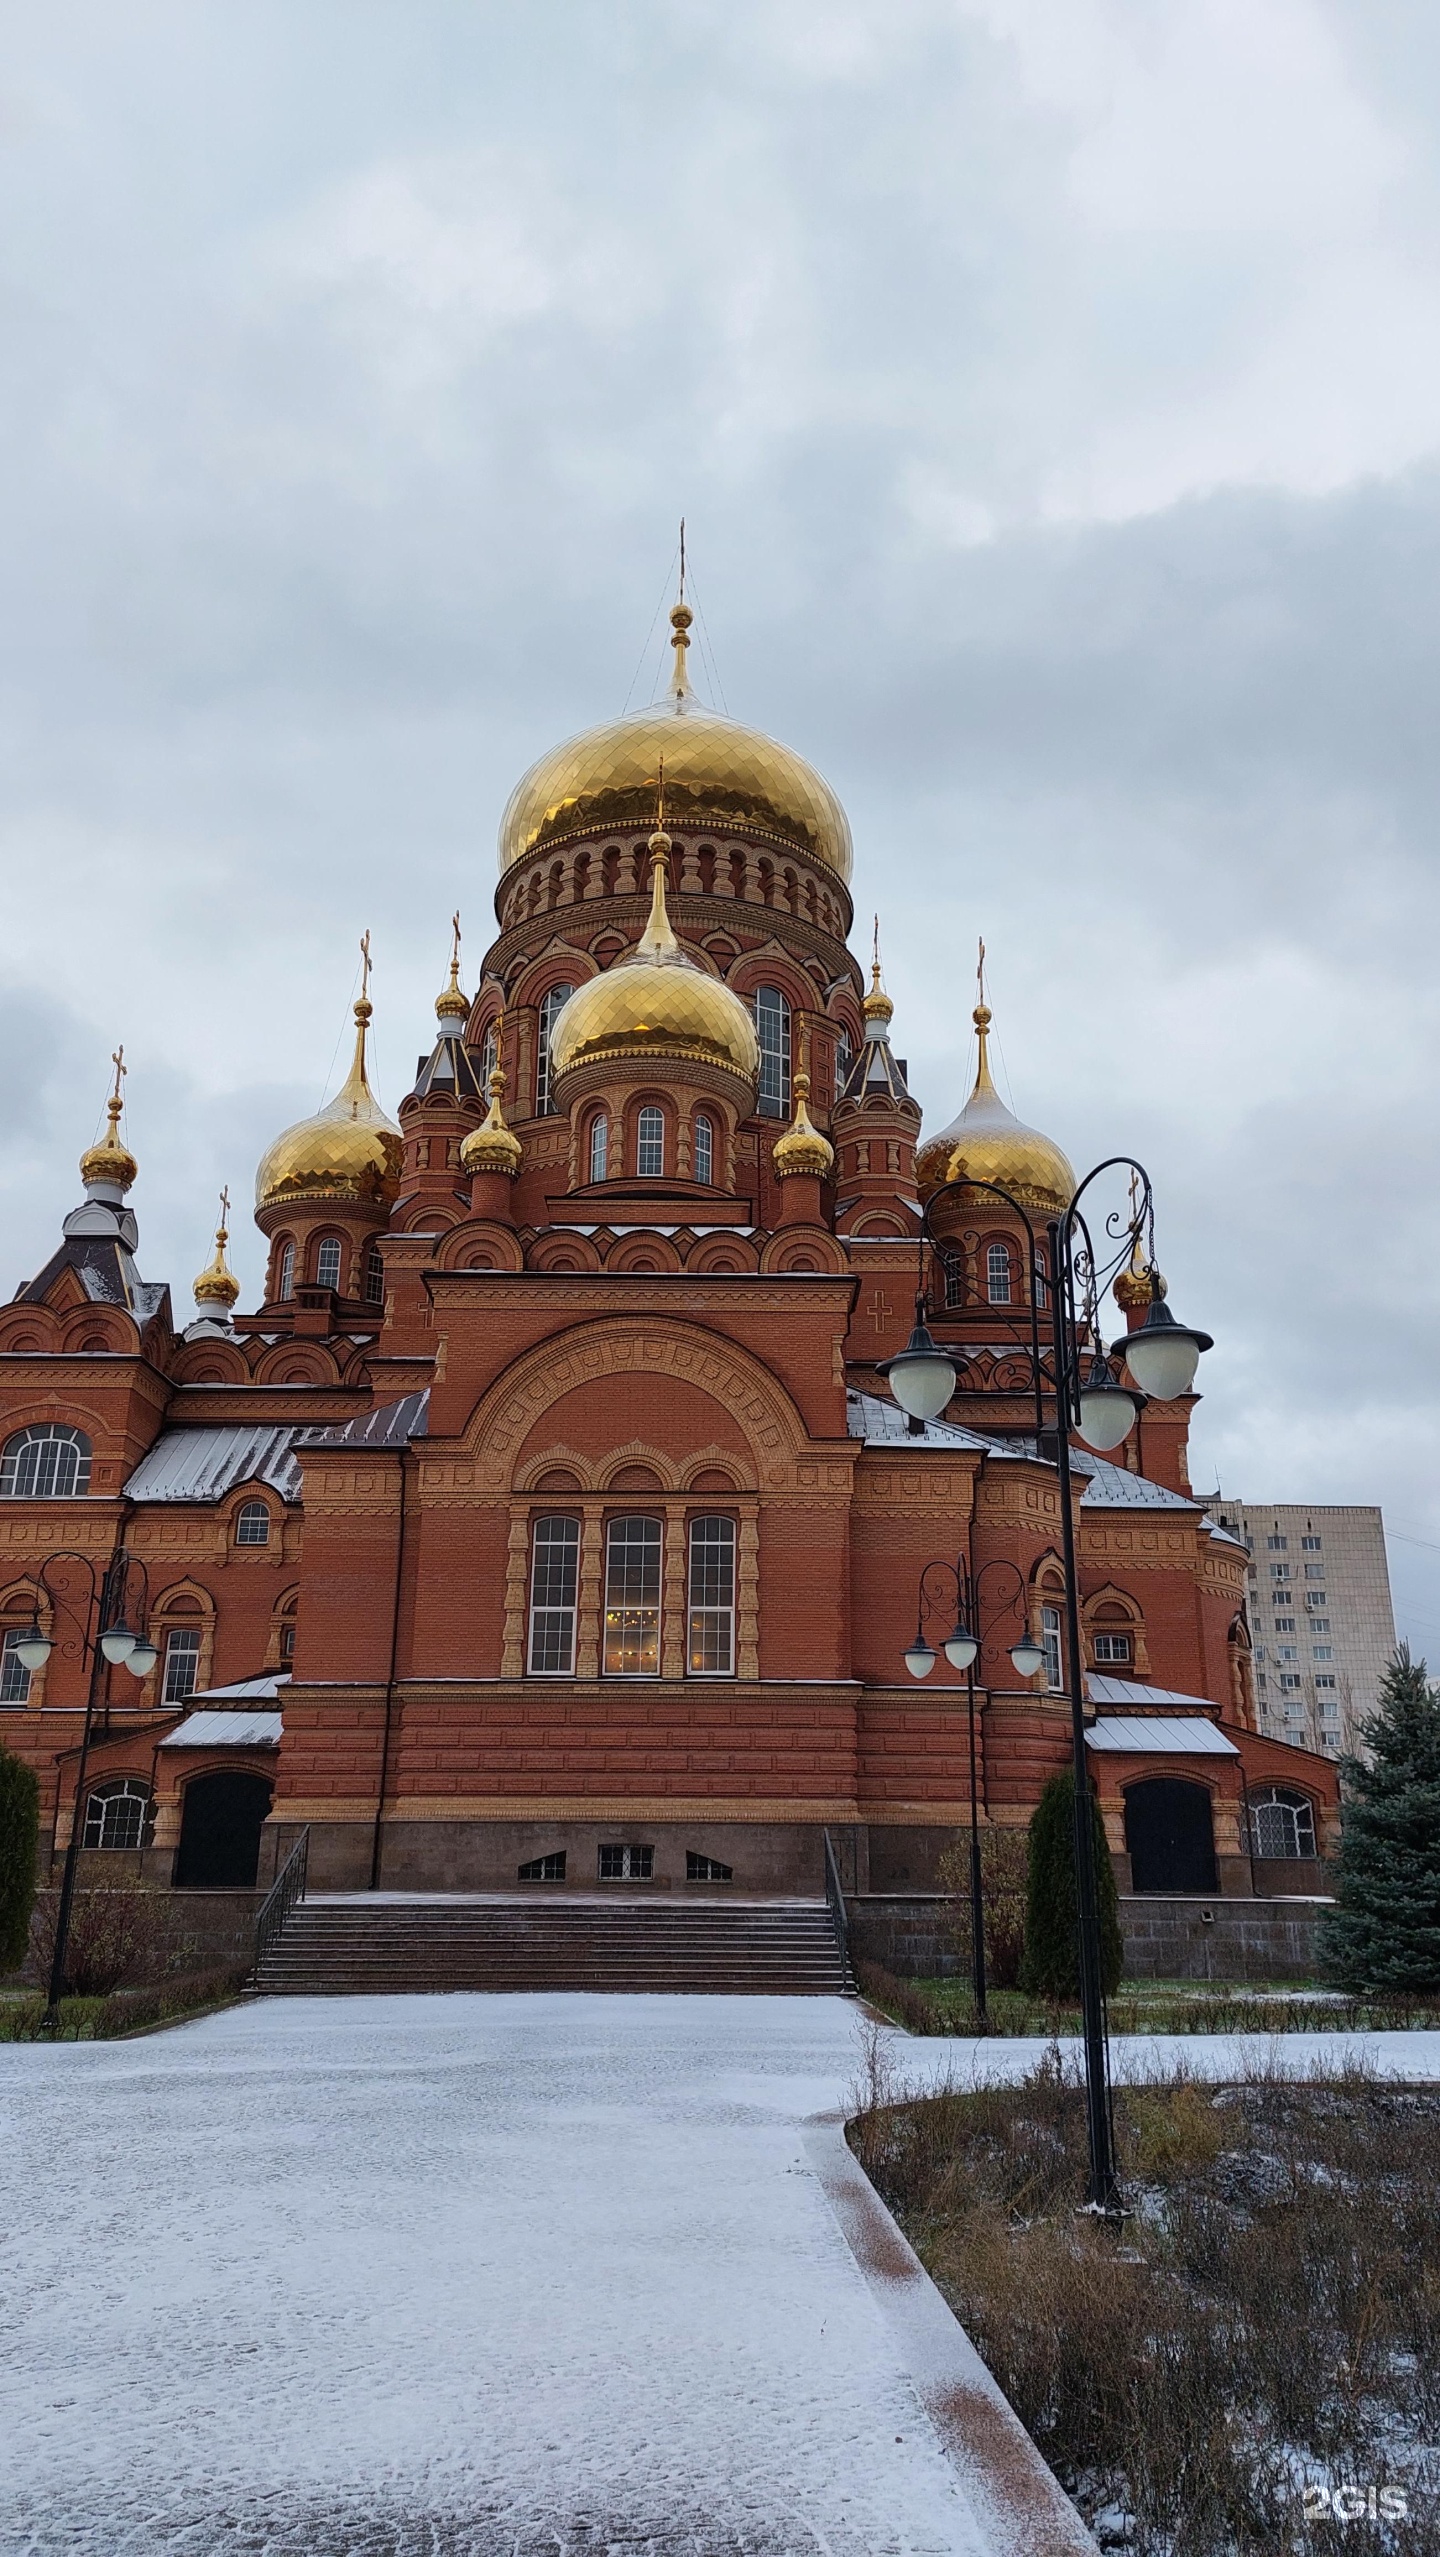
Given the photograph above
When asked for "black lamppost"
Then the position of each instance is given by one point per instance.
(962, 1648)
(107, 1638)
(1089, 1398)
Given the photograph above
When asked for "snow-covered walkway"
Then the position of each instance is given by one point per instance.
(464, 2276)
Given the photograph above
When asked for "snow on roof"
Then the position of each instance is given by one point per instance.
(1134, 1695)
(226, 1731)
(389, 1425)
(1190, 1735)
(254, 1690)
(205, 1464)
(882, 1424)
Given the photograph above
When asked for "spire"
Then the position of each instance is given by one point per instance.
(218, 1285)
(658, 941)
(681, 618)
(110, 1164)
(451, 1003)
(355, 1099)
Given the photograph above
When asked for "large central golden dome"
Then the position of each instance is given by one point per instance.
(718, 776)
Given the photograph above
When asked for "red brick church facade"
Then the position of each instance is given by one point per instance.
(551, 1517)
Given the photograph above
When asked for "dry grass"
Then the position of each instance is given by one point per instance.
(1268, 2314)
(946, 2007)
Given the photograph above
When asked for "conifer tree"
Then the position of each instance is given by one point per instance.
(19, 1848)
(1384, 1932)
(1051, 1967)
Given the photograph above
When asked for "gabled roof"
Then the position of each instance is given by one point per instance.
(205, 1464)
(389, 1425)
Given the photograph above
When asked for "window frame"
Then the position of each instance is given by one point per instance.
(14, 1676)
(373, 1281)
(116, 1789)
(998, 1263)
(624, 1618)
(38, 1435)
(703, 1144)
(598, 1147)
(1052, 1643)
(1118, 1634)
(178, 1642)
(547, 1607)
(649, 1119)
(252, 1510)
(552, 1004)
(1285, 1798)
(285, 1274)
(773, 1017)
(717, 1615)
(329, 1250)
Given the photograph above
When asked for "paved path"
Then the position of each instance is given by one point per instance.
(466, 2277)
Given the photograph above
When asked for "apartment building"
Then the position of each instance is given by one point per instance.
(1320, 1616)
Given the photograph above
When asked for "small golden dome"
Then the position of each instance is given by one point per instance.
(802, 1148)
(656, 1002)
(1133, 1288)
(350, 1150)
(877, 1005)
(718, 777)
(110, 1164)
(492, 1147)
(988, 1143)
(218, 1284)
(452, 1003)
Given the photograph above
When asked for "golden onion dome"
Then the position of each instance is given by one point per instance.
(110, 1163)
(802, 1148)
(988, 1143)
(217, 1284)
(349, 1151)
(492, 1147)
(656, 1002)
(719, 776)
(452, 1003)
(1137, 1284)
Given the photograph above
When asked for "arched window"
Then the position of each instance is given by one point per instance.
(48, 1462)
(632, 1598)
(252, 1526)
(1282, 1823)
(14, 1676)
(287, 1639)
(115, 1815)
(997, 1274)
(374, 1276)
(704, 1148)
(650, 1144)
(489, 1052)
(327, 1262)
(844, 1059)
(772, 1028)
(599, 1147)
(287, 1272)
(550, 1011)
(1054, 1655)
(554, 1586)
(954, 1269)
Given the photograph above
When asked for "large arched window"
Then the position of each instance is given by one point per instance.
(650, 1143)
(48, 1462)
(704, 1148)
(327, 1262)
(1282, 1823)
(550, 1011)
(599, 1147)
(115, 1815)
(997, 1274)
(286, 1283)
(772, 1028)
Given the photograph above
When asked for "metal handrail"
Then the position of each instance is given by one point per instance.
(280, 1899)
(839, 1914)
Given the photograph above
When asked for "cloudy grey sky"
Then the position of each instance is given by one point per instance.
(1053, 390)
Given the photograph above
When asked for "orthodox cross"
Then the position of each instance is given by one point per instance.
(364, 966)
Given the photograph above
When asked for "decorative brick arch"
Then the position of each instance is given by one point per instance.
(731, 1376)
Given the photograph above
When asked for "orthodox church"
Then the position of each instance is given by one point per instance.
(551, 1521)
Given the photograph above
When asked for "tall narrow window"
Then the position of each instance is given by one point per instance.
(14, 1676)
(550, 1011)
(599, 1147)
(772, 1028)
(554, 1582)
(954, 1269)
(327, 1263)
(650, 1144)
(1050, 1637)
(489, 1053)
(844, 1059)
(182, 1664)
(632, 1598)
(374, 1277)
(286, 1285)
(704, 1148)
(997, 1274)
(712, 1598)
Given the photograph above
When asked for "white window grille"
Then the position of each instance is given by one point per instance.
(1322, 1651)
(704, 1148)
(550, 1011)
(327, 1263)
(489, 1053)
(14, 1676)
(48, 1462)
(182, 1664)
(650, 1144)
(712, 1598)
(1279, 1571)
(252, 1526)
(544, 1868)
(706, 1868)
(772, 1028)
(1112, 1647)
(1283, 1824)
(627, 1864)
(599, 1147)
(554, 1587)
(1310, 1544)
(997, 1274)
(632, 1598)
(1277, 1544)
(844, 1059)
(1314, 1571)
(287, 1272)
(115, 1816)
(1050, 1637)
(374, 1277)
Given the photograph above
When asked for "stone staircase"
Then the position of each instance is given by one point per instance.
(392, 1943)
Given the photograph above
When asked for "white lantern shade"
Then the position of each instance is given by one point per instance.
(33, 1649)
(141, 1658)
(1107, 1416)
(922, 1381)
(118, 1644)
(1027, 1656)
(920, 1660)
(961, 1648)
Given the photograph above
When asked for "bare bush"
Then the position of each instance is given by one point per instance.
(114, 1933)
(1003, 1874)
